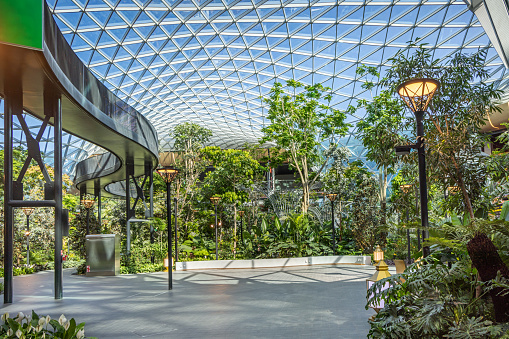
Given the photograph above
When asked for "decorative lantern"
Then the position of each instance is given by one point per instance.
(378, 254)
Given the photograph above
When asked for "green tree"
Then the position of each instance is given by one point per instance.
(189, 139)
(454, 116)
(232, 169)
(379, 130)
(301, 118)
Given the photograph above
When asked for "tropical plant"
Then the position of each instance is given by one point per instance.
(454, 116)
(301, 118)
(35, 326)
(433, 301)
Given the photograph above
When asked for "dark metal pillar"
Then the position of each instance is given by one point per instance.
(423, 187)
(333, 230)
(215, 209)
(176, 239)
(151, 208)
(28, 239)
(168, 211)
(56, 108)
(242, 230)
(408, 236)
(128, 207)
(88, 221)
(13, 105)
(99, 206)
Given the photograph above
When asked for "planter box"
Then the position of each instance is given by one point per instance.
(279, 262)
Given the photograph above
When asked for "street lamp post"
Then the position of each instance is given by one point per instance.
(417, 94)
(241, 214)
(168, 173)
(332, 197)
(88, 203)
(215, 201)
(28, 212)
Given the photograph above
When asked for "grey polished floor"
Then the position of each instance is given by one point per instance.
(293, 302)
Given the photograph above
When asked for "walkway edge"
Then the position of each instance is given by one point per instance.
(278, 262)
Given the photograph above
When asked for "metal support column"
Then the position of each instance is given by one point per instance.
(423, 187)
(13, 105)
(168, 206)
(176, 239)
(53, 103)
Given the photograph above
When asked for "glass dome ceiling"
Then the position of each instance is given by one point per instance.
(209, 62)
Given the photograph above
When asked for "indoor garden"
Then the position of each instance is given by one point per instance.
(456, 281)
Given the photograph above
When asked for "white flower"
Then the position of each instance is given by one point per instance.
(30, 328)
(66, 326)
(62, 320)
(42, 321)
(43, 335)
(48, 318)
(80, 334)
(20, 317)
(5, 316)
(9, 332)
(19, 333)
(39, 327)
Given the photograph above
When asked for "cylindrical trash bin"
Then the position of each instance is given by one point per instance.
(103, 254)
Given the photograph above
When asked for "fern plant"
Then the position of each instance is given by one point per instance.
(434, 301)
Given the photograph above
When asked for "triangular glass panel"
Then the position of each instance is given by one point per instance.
(91, 36)
(157, 15)
(319, 62)
(220, 25)
(129, 16)
(353, 36)
(78, 43)
(87, 22)
(144, 31)
(371, 11)
(108, 52)
(170, 18)
(435, 19)
(464, 19)
(269, 25)
(133, 48)
(85, 56)
(118, 33)
(383, 17)
(368, 30)
(183, 30)
(294, 27)
(184, 14)
(451, 36)
(319, 28)
(169, 28)
(122, 53)
(195, 28)
(132, 36)
(352, 54)
(379, 37)
(101, 17)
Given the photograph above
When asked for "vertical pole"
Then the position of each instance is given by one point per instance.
(57, 128)
(28, 239)
(242, 230)
(99, 209)
(88, 221)
(13, 103)
(419, 115)
(333, 230)
(408, 236)
(217, 254)
(176, 240)
(128, 209)
(168, 209)
(151, 209)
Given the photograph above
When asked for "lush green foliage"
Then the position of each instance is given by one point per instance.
(301, 118)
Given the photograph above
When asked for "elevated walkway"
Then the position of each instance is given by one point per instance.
(89, 110)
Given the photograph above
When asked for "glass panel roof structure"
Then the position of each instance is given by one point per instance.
(209, 62)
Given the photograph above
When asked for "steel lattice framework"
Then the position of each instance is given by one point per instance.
(209, 62)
